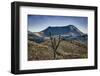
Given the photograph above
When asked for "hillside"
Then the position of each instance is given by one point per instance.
(68, 49)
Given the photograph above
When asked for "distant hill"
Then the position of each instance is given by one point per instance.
(35, 37)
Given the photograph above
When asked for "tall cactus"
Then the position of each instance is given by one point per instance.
(54, 43)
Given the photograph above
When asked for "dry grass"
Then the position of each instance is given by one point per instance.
(38, 51)
(66, 50)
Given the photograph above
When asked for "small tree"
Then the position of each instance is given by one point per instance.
(54, 43)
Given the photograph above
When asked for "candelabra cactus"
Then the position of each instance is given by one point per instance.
(55, 43)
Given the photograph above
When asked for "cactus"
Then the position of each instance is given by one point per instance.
(54, 43)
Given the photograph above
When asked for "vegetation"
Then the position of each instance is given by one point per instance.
(55, 44)
(68, 49)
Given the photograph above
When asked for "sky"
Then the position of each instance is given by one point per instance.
(37, 23)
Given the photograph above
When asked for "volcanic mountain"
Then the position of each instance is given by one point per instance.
(66, 32)
(69, 30)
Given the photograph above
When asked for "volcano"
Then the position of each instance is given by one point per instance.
(69, 30)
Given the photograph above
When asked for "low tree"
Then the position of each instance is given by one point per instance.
(55, 43)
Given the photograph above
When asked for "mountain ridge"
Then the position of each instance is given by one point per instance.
(69, 30)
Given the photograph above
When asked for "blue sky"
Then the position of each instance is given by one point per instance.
(38, 23)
